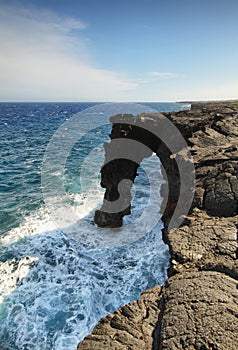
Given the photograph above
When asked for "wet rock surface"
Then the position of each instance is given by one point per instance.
(197, 308)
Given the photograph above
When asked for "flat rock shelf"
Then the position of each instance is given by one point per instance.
(197, 308)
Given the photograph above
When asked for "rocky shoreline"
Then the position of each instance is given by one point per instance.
(197, 308)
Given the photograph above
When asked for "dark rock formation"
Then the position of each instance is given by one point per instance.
(197, 308)
(200, 312)
(134, 138)
(133, 326)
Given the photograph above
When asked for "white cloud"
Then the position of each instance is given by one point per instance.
(179, 90)
(219, 91)
(152, 77)
(163, 75)
(42, 59)
(45, 57)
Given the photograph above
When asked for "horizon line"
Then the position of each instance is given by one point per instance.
(182, 101)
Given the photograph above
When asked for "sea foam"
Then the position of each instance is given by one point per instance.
(54, 297)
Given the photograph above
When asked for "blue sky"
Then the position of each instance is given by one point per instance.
(101, 50)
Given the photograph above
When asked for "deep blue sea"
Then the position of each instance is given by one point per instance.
(56, 279)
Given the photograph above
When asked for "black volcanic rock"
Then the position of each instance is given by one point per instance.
(197, 308)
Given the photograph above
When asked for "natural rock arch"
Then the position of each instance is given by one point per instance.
(117, 168)
(197, 307)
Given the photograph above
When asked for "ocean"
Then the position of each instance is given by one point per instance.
(57, 279)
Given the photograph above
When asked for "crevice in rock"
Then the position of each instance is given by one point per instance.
(217, 128)
(231, 272)
(156, 335)
(212, 162)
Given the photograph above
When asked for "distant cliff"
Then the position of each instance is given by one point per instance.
(197, 308)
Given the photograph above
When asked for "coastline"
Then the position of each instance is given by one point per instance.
(197, 307)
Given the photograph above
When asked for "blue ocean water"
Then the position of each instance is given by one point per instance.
(55, 288)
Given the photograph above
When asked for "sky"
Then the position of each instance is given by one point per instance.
(118, 51)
